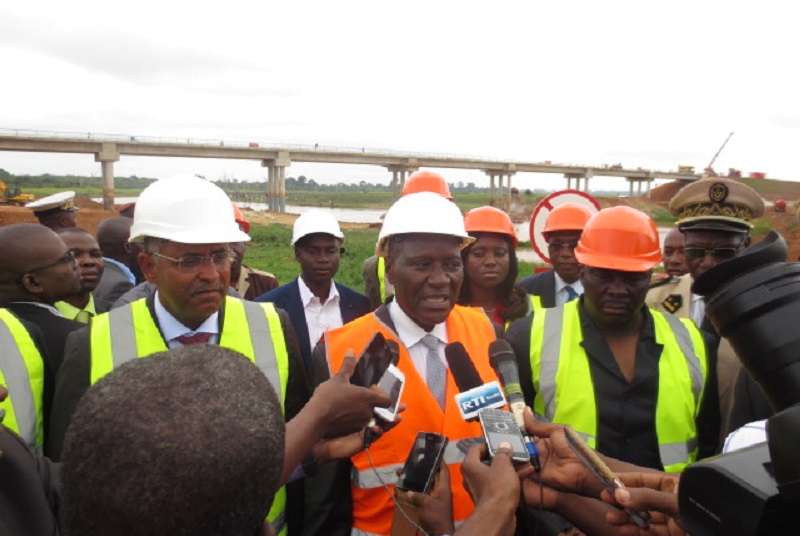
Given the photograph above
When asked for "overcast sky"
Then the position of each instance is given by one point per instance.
(642, 83)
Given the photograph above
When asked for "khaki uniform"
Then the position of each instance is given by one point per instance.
(672, 295)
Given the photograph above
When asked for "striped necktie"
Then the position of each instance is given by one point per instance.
(197, 338)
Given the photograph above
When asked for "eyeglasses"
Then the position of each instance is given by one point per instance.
(720, 254)
(192, 261)
(69, 257)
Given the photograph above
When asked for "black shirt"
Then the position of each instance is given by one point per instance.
(626, 412)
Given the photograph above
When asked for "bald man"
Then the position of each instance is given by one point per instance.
(37, 269)
(119, 275)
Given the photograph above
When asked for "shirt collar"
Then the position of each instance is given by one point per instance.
(410, 332)
(306, 296)
(124, 269)
(172, 328)
(43, 305)
(560, 284)
(70, 311)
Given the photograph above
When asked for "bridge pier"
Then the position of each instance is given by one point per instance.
(643, 185)
(276, 181)
(501, 194)
(399, 176)
(107, 156)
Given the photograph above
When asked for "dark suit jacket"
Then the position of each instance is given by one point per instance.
(30, 494)
(112, 285)
(287, 297)
(542, 284)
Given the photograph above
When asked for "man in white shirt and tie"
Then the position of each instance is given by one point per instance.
(314, 301)
(421, 239)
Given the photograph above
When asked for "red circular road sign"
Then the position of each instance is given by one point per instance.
(542, 210)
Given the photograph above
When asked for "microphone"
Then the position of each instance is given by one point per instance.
(504, 363)
(475, 395)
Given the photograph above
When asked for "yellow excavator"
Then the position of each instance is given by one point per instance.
(13, 195)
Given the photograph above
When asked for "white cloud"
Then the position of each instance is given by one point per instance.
(651, 85)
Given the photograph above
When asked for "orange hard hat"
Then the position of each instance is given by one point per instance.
(619, 238)
(489, 220)
(567, 217)
(244, 225)
(427, 181)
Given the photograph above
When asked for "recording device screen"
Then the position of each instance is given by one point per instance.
(391, 383)
(423, 462)
(499, 426)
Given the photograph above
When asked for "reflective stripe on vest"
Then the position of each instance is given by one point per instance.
(385, 475)
(535, 302)
(22, 372)
(381, 269)
(565, 393)
(372, 506)
(252, 329)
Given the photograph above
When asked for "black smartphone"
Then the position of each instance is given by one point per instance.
(500, 427)
(372, 363)
(423, 462)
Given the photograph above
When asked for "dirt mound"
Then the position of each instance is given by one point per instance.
(88, 218)
(82, 201)
(665, 192)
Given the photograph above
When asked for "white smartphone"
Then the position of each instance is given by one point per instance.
(392, 383)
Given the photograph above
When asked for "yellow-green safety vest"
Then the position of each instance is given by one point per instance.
(22, 372)
(565, 393)
(536, 303)
(250, 328)
(381, 269)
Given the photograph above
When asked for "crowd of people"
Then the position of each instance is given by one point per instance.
(243, 419)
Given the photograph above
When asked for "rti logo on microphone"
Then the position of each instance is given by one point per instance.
(488, 395)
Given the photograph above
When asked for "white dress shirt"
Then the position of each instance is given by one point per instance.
(750, 434)
(698, 309)
(561, 293)
(320, 317)
(411, 336)
(172, 328)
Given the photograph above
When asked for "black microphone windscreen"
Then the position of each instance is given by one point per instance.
(504, 363)
(464, 372)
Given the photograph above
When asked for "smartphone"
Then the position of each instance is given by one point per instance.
(423, 462)
(372, 363)
(392, 383)
(498, 427)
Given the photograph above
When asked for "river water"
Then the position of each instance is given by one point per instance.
(366, 215)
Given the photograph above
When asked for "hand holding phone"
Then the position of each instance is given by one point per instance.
(423, 462)
(500, 427)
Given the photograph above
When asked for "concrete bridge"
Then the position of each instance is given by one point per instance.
(108, 148)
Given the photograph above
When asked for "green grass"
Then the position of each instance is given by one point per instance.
(270, 250)
(90, 191)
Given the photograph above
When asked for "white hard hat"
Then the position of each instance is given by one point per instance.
(188, 210)
(315, 221)
(423, 212)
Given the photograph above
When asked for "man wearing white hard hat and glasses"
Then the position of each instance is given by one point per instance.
(314, 301)
(186, 226)
(421, 239)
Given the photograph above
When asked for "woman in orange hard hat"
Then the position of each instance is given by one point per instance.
(562, 230)
(490, 266)
(638, 383)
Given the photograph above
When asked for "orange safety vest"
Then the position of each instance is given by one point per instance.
(372, 503)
